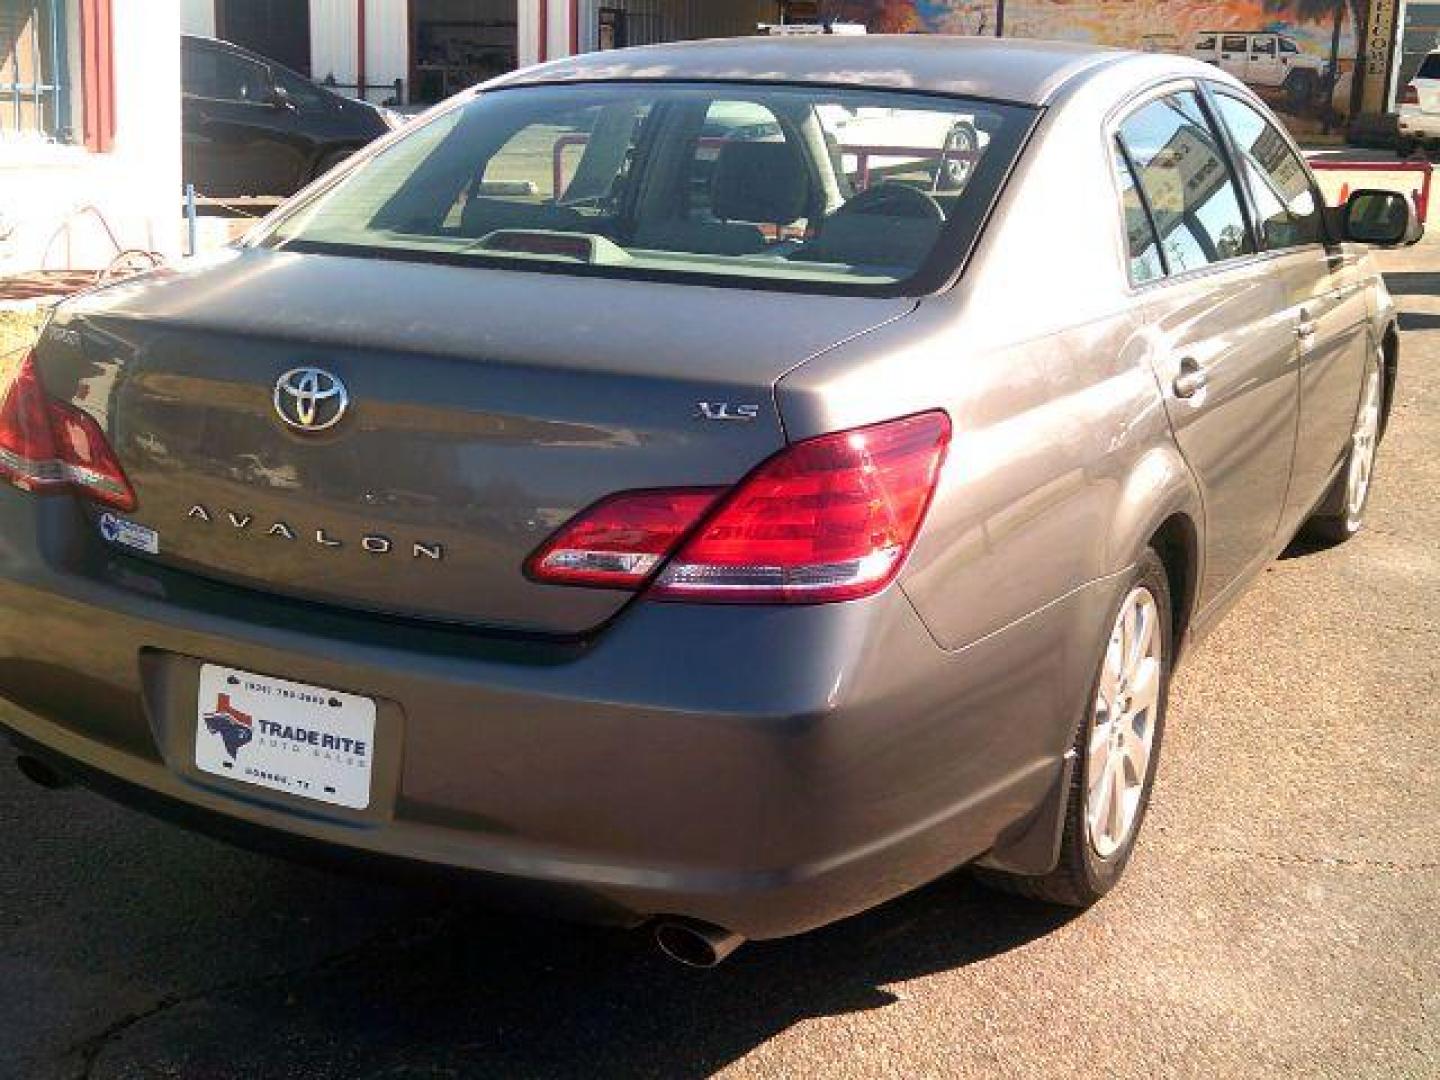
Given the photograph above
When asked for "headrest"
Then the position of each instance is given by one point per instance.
(760, 181)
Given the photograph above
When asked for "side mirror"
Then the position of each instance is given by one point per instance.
(1383, 218)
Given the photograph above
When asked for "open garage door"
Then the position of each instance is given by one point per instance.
(279, 29)
(455, 44)
(613, 24)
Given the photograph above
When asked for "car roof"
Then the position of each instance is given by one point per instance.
(1018, 70)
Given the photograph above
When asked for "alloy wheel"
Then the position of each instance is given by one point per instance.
(1362, 450)
(1123, 723)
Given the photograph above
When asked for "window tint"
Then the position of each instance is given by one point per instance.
(817, 186)
(555, 150)
(1288, 46)
(1429, 67)
(726, 123)
(1144, 251)
(1233, 43)
(1287, 211)
(1186, 182)
(301, 91)
(213, 73)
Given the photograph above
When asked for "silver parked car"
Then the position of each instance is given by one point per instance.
(621, 486)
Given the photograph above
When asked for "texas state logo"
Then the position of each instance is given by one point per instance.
(234, 727)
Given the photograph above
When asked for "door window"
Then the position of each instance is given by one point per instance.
(1233, 43)
(212, 73)
(1287, 212)
(1263, 47)
(1187, 184)
(302, 92)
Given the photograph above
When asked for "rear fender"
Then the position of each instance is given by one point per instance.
(1159, 489)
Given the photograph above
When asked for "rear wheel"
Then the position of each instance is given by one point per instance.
(1116, 750)
(1342, 512)
(1300, 90)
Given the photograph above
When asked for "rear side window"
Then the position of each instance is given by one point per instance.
(1142, 245)
(1233, 43)
(1288, 213)
(1429, 67)
(301, 91)
(213, 73)
(1186, 182)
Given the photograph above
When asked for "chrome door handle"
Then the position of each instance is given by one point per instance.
(1190, 381)
(1305, 328)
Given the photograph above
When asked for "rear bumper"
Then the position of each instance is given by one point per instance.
(1415, 124)
(765, 769)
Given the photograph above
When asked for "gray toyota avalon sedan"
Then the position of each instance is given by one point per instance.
(718, 486)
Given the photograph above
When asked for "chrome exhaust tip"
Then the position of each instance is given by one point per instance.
(695, 944)
(41, 774)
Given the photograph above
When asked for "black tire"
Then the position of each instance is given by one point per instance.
(1300, 90)
(1082, 875)
(1334, 520)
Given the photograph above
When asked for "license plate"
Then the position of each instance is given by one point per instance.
(303, 740)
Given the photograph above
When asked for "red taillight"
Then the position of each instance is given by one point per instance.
(619, 541)
(47, 445)
(828, 519)
(85, 454)
(27, 443)
(1411, 95)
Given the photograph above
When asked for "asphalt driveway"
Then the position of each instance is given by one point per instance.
(1282, 915)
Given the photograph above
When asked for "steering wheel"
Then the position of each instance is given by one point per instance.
(894, 200)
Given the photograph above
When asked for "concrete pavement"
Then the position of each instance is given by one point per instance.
(1280, 916)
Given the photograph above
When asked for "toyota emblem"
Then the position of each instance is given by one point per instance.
(310, 399)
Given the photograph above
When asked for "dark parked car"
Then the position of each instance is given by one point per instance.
(254, 127)
(628, 488)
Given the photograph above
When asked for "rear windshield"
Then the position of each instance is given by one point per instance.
(762, 186)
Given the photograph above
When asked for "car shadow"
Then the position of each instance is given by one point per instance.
(1413, 282)
(1304, 544)
(484, 994)
(1419, 320)
(338, 976)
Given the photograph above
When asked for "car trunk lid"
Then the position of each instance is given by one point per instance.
(486, 408)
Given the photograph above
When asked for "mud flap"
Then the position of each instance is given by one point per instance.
(1032, 848)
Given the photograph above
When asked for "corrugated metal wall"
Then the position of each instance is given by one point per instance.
(387, 36)
(333, 37)
(197, 17)
(651, 21)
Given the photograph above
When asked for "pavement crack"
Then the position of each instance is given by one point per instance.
(90, 1049)
(1281, 858)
